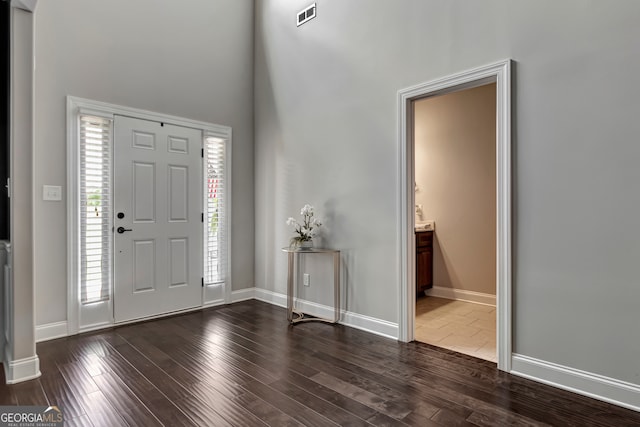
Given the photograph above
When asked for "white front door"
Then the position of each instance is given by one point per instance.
(157, 218)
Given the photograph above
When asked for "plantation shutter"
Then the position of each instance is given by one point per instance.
(95, 208)
(216, 200)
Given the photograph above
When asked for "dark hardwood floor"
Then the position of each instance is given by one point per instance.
(243, 365)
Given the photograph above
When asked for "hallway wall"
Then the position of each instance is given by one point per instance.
(455, 170)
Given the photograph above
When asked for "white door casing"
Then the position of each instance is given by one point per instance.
(500, 73)
(97, 315)
(157, 186)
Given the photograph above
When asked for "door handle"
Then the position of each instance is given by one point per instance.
(122, 229)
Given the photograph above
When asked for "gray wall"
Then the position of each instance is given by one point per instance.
(455, 170)
(192, 59)
(326, 133)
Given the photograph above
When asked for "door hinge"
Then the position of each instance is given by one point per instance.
(202, 153)
(202, 217)
(202, 279)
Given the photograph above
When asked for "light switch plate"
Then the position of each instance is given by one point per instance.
(52, 193)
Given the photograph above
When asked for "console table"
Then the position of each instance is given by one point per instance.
(294, 315)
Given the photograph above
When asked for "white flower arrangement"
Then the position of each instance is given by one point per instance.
(306, 230)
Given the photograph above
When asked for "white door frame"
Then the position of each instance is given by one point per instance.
(100, 315)
(499, 73)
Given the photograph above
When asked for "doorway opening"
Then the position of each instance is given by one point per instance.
(455, 193)
(498, 74)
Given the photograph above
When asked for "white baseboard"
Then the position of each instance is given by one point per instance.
(51, 331)
(56, 330)
(214, 303)
(599, 387)
(347, 318)
(462, 295)
(242, 295)
(17, 371)
(271, 297)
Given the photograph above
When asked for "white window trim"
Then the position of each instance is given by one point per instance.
(94, 316)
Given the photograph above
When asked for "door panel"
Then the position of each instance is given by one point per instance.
(179, 261)
(157, 185)
(144, 140)
(178, 196)
(144, 191)
(144, 260)
(178, 145)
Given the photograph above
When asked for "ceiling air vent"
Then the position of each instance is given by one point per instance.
(307, 14)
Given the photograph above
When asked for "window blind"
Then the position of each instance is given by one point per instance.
(216, 199)
(95, 208)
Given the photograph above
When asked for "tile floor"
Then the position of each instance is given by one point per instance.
(460, 326)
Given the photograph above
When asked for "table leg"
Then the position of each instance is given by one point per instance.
(336, 286)
(290, 287)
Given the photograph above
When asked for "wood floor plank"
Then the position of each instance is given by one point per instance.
(244, 365)
(78, 379)
(225, 406)
(268, 413)
(158, 404)
(247, 342)
(8, 396)
(480, 419)
(234, 369)
(450, 387)
(201, 414)
(417, 419)
(493, 410)
(59, 394)
(125, 402)
(450, 380)
(304, 414)
(166, 363)
(353, 406)
(321, 406)
(99, 410)
(564, 404)
(30, 393)
(54, 353)
(447, 418)
(213, 389)
(82, 421)
(171, 388)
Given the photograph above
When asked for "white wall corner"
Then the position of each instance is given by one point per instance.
(462, 295)
(243, 295)
(16, 371)
(51, 331)
(271, 297)
(596, 386)
(28, 5)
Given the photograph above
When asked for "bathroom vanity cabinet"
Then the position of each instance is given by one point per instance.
(424, 261)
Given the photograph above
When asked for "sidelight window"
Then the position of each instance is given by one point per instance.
(216, 221)
(95, 208)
